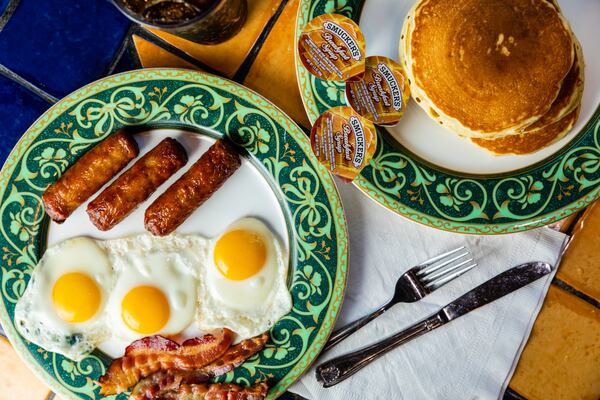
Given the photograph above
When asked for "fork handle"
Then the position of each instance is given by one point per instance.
(345, 331)
(337, 369)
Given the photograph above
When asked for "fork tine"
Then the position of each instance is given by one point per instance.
(427, 263)
(438, 274)
(433, 268)
(440, 282)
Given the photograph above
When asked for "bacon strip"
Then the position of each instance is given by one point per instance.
(151, 354)
(162, 382)
(218, 391)
(236, 355)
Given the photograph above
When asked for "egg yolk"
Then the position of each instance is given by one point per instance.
(76, 297)
(145, 309)
(239, 254)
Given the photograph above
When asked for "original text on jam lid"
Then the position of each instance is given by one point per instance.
(343, 141)
(332, 47)
(382, 93)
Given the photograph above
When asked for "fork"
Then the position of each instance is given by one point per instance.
(413, 285)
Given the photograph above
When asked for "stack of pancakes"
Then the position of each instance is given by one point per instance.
(507, 74)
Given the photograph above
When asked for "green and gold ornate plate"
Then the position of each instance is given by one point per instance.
(431, 176)
(280, 182)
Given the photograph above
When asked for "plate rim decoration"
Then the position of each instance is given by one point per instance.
(490, 204)
(163, 98)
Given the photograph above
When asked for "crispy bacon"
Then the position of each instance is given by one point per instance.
(217, 391)
(154, 353)
(236, 355)
(158, 384)
(162, 382)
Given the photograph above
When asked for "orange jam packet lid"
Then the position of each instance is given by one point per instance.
(332, 47)
(382, 93)
(343, 141)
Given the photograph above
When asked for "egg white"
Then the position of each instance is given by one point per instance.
(250, 306)
(171, 264)
(181, 266)
(35, 316)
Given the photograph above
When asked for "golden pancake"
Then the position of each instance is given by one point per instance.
(569, 98)
(491, 67)
(421, 97)
(530, 141)
(565, 102)
(553, 125)
(404, 49)
(417, 94)
(569, 95)
(555, 4)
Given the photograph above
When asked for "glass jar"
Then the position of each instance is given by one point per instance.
(206, 22)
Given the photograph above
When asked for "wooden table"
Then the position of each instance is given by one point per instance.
(562, 357)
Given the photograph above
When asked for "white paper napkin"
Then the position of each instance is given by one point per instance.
(472, 357)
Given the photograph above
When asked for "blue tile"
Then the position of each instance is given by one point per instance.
(3, 5)
(61, 45)
(19, 108)
(127, 62)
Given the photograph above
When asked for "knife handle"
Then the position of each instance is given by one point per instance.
(342, 333)
(337, 369)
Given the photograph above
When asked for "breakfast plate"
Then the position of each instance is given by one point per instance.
(279, 183)
(425, 173)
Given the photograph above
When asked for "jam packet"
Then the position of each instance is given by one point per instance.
(382, 93)
(332, 47)
(343, 141)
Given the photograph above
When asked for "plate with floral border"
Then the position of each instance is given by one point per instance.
(195, 106)
(430, 176)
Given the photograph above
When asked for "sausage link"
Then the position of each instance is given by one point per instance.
(136, 184)
(88, 175)
(194, 187)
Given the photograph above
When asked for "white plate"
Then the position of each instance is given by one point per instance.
(381, 22)
(245, 194)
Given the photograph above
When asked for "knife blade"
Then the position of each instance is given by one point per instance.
(499, 286)
(337, 369)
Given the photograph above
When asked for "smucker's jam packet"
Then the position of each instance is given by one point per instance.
(332, 47)
(382, 93)
(343, 141)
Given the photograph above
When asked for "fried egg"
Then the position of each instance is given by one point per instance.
(156, 289)
(63, 306)
(244, 287)
(87, 293)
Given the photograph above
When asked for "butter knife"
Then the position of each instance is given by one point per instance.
(337, 369)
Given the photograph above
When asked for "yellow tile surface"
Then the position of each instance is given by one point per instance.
(273, 74)
(580, 266)
(16, 380)
(227, 57)
(562, 358)
(565, 224)
(152, 56)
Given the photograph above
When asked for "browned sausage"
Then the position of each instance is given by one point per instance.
(88, 175)
(207, 175)
(136, 184)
